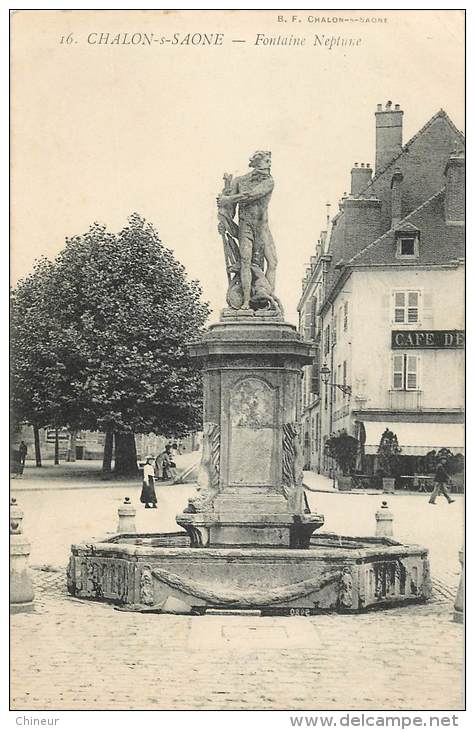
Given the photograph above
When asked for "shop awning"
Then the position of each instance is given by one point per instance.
(416, 439)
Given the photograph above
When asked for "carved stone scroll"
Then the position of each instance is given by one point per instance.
(345, 590)
(146, 586)
(292, 471)
(208, 474)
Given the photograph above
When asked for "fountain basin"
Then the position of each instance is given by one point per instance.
(141, 572)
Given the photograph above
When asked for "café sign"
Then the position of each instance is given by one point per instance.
(427, 339)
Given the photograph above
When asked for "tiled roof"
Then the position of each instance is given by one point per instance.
(440, 243)
(441, 114)
(421, 160)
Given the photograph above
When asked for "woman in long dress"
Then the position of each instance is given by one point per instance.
(148, 496)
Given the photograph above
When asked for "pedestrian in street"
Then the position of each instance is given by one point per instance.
(148, 496)
(441, 479)
(161, 465)
(23, 450)
(172, 461)
(168, 463)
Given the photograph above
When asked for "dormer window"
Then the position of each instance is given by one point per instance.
(407, 246)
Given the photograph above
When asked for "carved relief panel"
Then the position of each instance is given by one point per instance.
(253, 424)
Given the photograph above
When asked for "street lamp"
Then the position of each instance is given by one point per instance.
(325, 374)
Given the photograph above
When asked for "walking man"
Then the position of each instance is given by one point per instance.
(441, 479)
(23, 450)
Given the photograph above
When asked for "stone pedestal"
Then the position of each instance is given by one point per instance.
(126, 514)
(459, 600)
(384, 521)
(21, 586)
(250, 477)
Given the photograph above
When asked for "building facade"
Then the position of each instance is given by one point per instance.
(383, 299)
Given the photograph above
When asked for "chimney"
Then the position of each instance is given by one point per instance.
(388, 133)
(362, 224)
(360, 178)
(455, 189)
(396, 197)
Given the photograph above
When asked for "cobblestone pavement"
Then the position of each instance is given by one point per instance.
(72, 654)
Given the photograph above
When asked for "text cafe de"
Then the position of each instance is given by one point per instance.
(427, 339)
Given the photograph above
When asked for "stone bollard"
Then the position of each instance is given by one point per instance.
(384, 521)
(21, 586)
(126, 514)
(458, 605)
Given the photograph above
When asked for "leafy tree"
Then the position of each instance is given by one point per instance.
(42, 354)
(344, 449)
(454, 462)
(389, 459)
(126, 310)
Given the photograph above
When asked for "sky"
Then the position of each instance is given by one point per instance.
(100, 130)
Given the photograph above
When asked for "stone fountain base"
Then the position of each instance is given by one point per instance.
(344, 574)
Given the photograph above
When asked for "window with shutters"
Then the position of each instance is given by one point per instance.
(316, 375)
(345, 317)
(308, 320)
(327, 339)
(405, 375)
(344, 372)
(406, 307)
(315, 324)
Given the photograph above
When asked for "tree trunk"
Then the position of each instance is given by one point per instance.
(36, 432)
(125, 454)
(108, 448)
(72, 446)
(56, 447)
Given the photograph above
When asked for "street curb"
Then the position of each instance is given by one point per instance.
(367, 492)
(99, 485)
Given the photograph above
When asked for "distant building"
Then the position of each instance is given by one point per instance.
(383, 299)
(89, 445)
